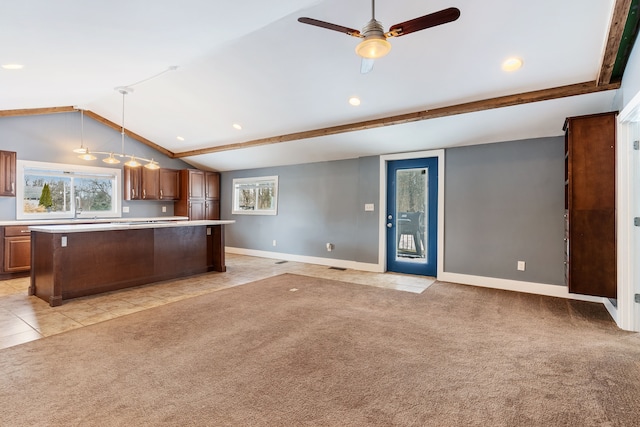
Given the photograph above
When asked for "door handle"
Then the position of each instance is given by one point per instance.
(389, 225)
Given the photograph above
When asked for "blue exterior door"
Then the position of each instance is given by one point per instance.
(412, 216)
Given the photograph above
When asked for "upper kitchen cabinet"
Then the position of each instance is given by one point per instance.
(7, 173)
(169, 184)
(141, 183)
(212, 187)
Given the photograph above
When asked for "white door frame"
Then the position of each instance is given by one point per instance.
(627, 312)
(382, 241)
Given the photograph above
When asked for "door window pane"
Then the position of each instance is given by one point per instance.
(411, 205)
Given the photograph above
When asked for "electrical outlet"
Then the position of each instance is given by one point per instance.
(369, 207)
(274, 243)
(63, 241)
(125, 209)
(164, 209)
(329, 247)
(521, 265)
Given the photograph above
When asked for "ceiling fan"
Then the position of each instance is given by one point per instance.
(374, 44)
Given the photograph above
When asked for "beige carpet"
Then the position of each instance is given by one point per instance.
(333, 354)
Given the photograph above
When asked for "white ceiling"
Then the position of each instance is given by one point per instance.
(252, 63)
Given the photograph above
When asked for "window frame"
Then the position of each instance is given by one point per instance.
(256, 181)
(69, 170)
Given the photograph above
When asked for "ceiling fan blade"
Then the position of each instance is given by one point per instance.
(366, 65)
(427, 21)
(330, 26)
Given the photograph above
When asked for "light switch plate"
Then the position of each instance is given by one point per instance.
(63, 241)
(521, 265)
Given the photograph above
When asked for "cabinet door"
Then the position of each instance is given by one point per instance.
(212, 209)
(17, 254)
(212, 185)
(196, 184)
(150, 184)
(132, 183)
(7, 173)
(169, 184)
(196, 210)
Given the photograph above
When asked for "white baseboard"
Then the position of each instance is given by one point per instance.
(340, 263)
(464, 279)
(517, 286)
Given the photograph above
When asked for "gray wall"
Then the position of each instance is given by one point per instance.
(318, 203)
(631, 79)
(52, 137)
(504, 202)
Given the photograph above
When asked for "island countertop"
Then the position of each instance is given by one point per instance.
(123, 225)
(62, 221)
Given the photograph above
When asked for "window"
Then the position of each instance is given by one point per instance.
(51, 191)
(255, 196)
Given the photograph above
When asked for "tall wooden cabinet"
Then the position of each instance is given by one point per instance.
(7, 173)
(199, 195)
(590, 204)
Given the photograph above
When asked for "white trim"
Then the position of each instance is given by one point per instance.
(517, 286)
(340, 263)
(253, 180)
(631, 112)
(624, 227)
(382, 243)
(627, 314)
(116, 196)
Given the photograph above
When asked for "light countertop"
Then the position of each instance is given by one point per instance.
(131, 224)
(90, 220)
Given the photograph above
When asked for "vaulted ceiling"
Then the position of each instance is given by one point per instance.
(197, 67)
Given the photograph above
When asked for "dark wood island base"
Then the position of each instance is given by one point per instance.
(70, 262)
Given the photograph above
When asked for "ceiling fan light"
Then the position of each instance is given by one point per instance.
(373, 47)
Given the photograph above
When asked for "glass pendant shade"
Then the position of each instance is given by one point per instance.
(152, 165)
(111, 160)
(133, 163)
(373, 47)
(87, 155)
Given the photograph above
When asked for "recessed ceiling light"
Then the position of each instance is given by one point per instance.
(237, 126)
(180, 138)
(512, 64)
(12, 66)
(354, 100)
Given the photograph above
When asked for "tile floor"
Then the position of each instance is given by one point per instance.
(26, 318)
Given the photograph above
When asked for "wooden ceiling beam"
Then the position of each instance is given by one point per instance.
(36, 111)
(467, 107)
(616, 29)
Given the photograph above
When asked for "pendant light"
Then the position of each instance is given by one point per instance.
(84, 152)
(111, 157)
(111, 160)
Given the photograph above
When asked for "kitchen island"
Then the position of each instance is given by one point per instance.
(73, 260)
